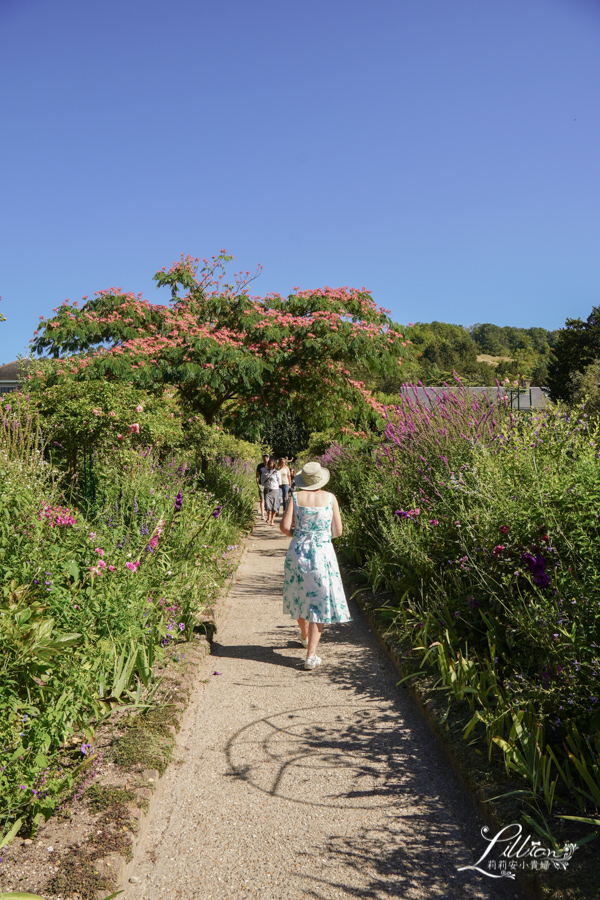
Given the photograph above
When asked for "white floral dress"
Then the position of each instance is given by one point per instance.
(313, 588)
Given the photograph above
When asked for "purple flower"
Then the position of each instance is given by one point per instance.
(182, 626)
(85, 749)
(217, 512)
(537, 566)
(178, 502)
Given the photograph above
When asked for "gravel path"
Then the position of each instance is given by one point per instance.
(294, 784)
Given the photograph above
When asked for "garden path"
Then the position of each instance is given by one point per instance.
(295, 784)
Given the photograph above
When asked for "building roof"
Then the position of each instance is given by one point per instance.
(525, 398)
(10, 371)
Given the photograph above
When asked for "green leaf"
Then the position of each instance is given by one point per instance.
(8, 837)
(20, 896)
(73, 570)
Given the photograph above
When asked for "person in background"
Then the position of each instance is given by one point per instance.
(261, 489)
(286, 479)
(271, 480)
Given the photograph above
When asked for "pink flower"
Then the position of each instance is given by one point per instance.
(498, 550)
(112, 569)
(433, 522)
(132, 566)
(504, 529)
(120, 437)
(139, 408)
(101, 564)
(135, 428)
(112, 415)
(97, 412)
(99, 551)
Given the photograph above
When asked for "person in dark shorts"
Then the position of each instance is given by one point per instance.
(261, 488)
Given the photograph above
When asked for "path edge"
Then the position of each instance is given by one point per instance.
(533, 889)
(117, 867)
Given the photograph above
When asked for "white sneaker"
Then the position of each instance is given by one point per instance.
(312, 662)
(303, 641)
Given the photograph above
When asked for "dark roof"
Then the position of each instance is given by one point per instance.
(10, 371)
(528, 398)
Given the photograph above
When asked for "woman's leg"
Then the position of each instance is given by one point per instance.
(315, 630)
(303, 626)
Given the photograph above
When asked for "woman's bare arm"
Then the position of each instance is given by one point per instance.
(286, 524)
(336, 521)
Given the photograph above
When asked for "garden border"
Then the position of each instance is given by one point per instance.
(145, 788)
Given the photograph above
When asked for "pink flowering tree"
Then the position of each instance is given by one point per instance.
(227, 352)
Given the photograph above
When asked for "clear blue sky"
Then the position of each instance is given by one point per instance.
(443, 153)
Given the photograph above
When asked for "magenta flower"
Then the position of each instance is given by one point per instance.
(504, 529)
(132, 566)
(99, 551)
(498, 550)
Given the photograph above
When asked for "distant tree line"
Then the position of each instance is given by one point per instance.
(480, 355)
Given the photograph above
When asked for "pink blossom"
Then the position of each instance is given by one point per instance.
(139, 408)
(101, 564)
(112, 569)
(498, 550)
(132, 566)
(135, 428)
(99, 551)
(120, 437)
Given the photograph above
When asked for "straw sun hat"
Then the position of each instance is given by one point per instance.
(312, 477)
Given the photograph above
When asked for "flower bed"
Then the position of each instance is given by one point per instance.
(485, 526)
(90, 601)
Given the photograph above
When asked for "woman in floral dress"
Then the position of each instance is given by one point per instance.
(313, 592)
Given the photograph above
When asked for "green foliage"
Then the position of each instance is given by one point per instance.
(577, 346)
(88, 602)
(585, 389)
(284, 431)
(438, 350)
(488, 542)
(97, 414)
